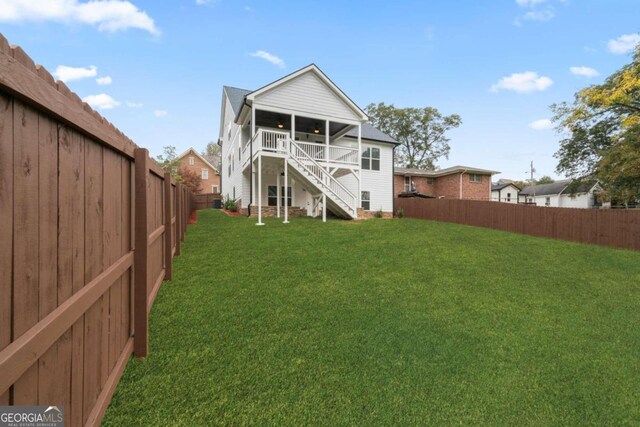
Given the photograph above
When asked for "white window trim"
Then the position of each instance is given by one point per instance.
(204, 174)
(192, 161)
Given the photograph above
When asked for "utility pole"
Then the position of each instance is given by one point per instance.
(531, 171)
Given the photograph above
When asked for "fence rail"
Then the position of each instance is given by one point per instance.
(619, 229)
(88, 226)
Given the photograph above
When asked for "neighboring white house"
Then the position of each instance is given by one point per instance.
(504, 192)
(302, 130)
(561, 194)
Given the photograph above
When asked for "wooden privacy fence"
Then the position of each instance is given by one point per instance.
(619, 229)
(88, 227)
(205, 201)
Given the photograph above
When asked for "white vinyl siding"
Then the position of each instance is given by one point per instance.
(307, 94)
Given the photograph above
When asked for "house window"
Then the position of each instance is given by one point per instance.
(508, 197)
(239, 153)
(407, 184)
(431, 180)
(234, 193)
(205, 173)
(371, 159)
(547, 201)
(229, 165)
(192, 161)
(366, 200)
(474, 177)
(272, 196)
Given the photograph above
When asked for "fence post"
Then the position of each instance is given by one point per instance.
(168, 246)
(141, 317)
(178, 219)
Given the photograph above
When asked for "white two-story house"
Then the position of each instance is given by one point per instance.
(300, 146)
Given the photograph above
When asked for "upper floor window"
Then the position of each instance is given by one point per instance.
(371, 159)
(192, 161)
(474, 177)
(407, 184)
(205, 173)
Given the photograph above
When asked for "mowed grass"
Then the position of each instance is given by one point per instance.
(385, 322)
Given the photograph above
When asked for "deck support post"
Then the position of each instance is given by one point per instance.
(286, 192)
(278, 194)
(324, 207)
(260, 190)
(359, 195)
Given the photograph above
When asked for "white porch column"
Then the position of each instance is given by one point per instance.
(253, 177)
(260, 190)
(293, 128)
(324, 207)
(359, 195)
(278, 194)
(326, 142)
(286, 193)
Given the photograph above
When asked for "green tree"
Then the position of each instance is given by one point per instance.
(546, 179)
(420, 131)
(601, 133)
(212, 149)
(169, 161)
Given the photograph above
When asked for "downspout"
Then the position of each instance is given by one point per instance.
(393, 179)
(461, 173)
(250, 169)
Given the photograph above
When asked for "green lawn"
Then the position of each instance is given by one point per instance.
(386, 322)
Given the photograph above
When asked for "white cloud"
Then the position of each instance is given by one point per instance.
(529, 3)
(584, 71)
(132, 104)
(526, 82)
(540, 15)
(160, 113)
(107, 15)
(103, 81)
(269, 58)
(624, 44)
(67, 74)
(541, 124)
(101, 101)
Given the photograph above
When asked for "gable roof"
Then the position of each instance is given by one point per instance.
(237, 96)
(313, 68)
(201, 157)
(442, 172)
(501, 185)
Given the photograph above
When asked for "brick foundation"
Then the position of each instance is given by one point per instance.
(362, 214)
(270, 211)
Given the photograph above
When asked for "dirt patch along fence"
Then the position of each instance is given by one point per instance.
(88, 227)
(614, 228)
(205, 200)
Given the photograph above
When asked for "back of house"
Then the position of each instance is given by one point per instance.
(301, 146)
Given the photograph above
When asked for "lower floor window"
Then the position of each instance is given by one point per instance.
(214, 188)
(272, 197)
(366, 200)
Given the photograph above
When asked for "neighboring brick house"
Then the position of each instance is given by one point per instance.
(457, 182)
(205, 166)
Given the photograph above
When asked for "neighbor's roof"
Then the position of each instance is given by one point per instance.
(442, 172)
(546, 189)
(205, 159)
(236, 98)
(558, 187)
(500, 185)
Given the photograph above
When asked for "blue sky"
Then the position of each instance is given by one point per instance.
(499, 64)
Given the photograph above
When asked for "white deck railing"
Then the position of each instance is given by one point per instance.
(336, 154)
